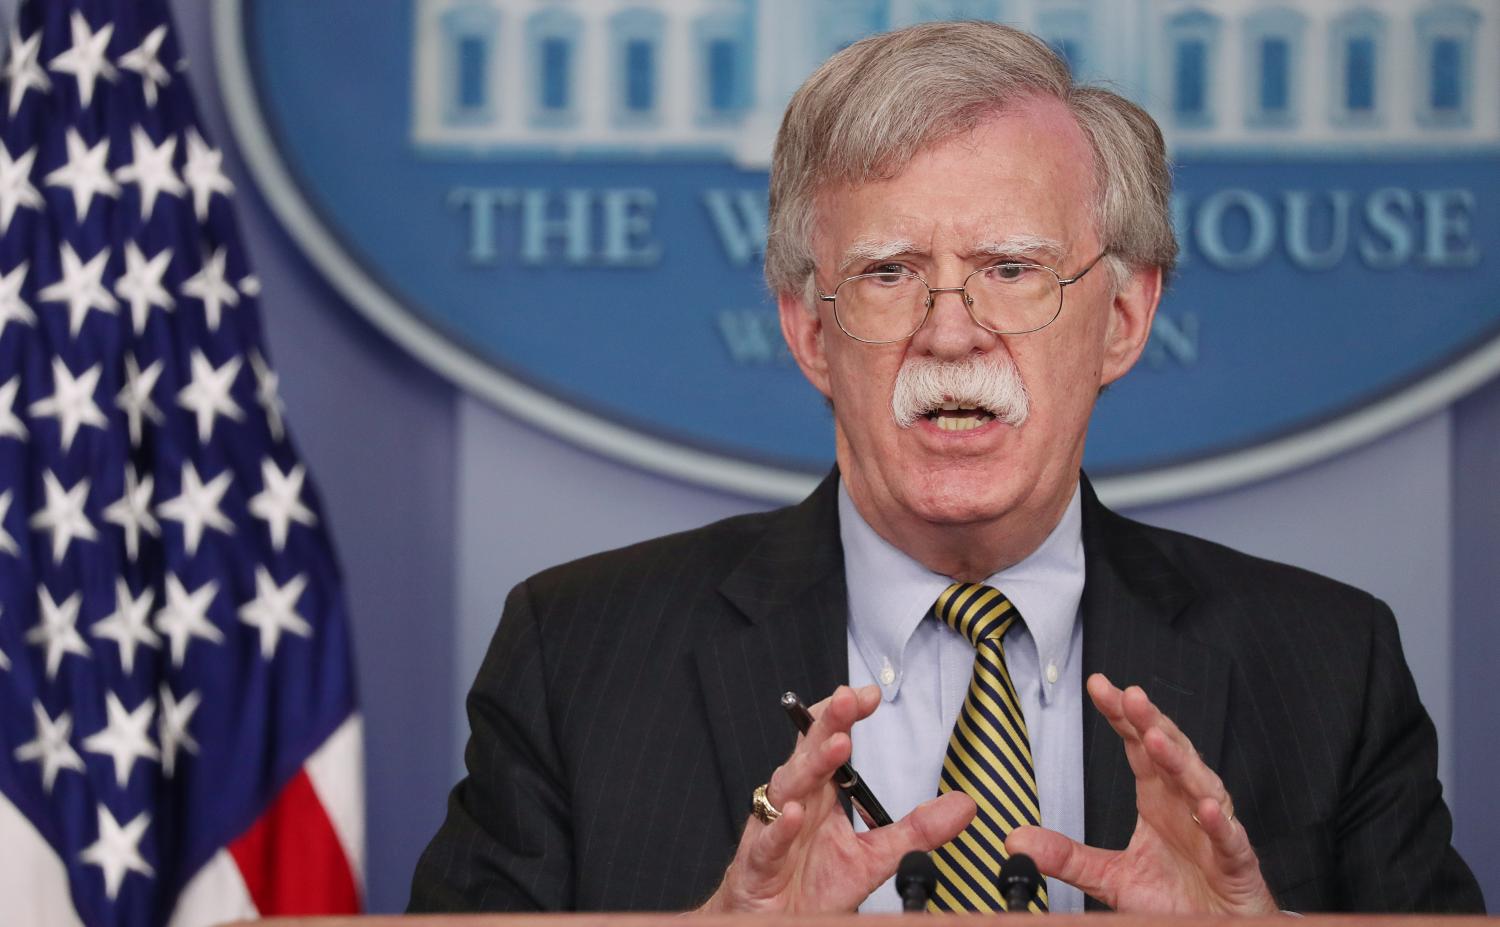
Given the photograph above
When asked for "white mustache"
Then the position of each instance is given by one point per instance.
(989, 381)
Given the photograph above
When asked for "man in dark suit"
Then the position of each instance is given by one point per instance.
(1254, 740)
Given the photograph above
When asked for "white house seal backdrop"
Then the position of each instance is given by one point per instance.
(561, 206)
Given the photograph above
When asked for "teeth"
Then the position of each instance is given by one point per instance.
(962, 424)
(955, 406)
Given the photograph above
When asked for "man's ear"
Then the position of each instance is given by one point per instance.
(802, 328)
(1130, 315)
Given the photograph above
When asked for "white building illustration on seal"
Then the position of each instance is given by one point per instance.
(671, 78)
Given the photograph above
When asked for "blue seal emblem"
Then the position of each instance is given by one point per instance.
(561, 206)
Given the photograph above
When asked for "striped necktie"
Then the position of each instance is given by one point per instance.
(989, 757)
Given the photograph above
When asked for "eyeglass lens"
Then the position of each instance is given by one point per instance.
(1004, 298)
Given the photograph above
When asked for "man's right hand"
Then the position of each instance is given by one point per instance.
(810, 860)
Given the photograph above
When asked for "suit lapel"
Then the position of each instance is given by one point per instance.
(790, 591)
(1134, 608)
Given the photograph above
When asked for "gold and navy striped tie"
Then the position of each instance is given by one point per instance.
(989, 757)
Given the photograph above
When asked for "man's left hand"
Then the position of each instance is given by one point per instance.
(1188, 854)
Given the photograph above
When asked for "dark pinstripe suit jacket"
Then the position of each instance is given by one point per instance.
(628, 706)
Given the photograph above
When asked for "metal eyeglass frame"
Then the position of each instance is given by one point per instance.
(932, 293)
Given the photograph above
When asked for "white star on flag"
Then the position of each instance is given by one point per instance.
(63, 514)
(140, 285)
(210, 287)
(185, 616)
(274, 610)
(172, 727)
(81, 287)
(58, 630)
(150, 169)
(207, 395)
(135, 396)
(127, 625)
(87, 59)
(85, 173)
(117, 851)
(72, 401)
(143, 61)
(51, 746)
(125, 738)
(12, 307)
(7, 543)
(23, 71)
(204, 172)
(11, 425)
(197, 506)
(135, 480)
(16, 189)
(266, 394)
(132, 512)
(279, 503)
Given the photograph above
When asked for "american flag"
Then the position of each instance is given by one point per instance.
(179, 741)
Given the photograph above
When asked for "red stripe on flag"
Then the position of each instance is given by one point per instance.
(291, 859)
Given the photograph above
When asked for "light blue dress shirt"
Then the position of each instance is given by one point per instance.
(923, 669)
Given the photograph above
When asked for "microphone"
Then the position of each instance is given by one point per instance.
(915, 880)
(1018, 881)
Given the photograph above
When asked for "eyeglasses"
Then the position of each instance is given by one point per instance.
(1011, 298)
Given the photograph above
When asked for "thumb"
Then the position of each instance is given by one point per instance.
(928, 826)
(1062, 857)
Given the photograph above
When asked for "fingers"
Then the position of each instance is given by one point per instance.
(809, 769)
(1173, 755)
(761, 869)
(1111, 704)
(1152, 736)
(845, 707)
(1184, 770)
(1144, 716)
(1178, 796)
(770, 856)
(825, 746)
(1233, 854)
(768, 849)
(928, 826)
(1084, 867)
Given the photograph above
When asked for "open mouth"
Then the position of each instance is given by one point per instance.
(958, 416)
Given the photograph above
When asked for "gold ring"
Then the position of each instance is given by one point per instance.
(1229, 818)
(761, 807)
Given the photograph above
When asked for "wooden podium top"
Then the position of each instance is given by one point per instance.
(853, 920)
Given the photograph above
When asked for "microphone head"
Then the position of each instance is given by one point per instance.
(1020, 868)
(917, 870)
(1019, 880)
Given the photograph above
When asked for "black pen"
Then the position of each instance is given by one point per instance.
(844, 777)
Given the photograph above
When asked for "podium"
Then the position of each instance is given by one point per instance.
(858, 920)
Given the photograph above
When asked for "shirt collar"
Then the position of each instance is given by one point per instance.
(890, 593)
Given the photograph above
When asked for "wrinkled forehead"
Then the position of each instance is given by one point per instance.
(975, 238)
(1022, 178)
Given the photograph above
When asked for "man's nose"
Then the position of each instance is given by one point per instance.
(950, 330)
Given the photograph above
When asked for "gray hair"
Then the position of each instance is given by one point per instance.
(874, 106)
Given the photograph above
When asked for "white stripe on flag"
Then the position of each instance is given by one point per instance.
(337, 773)
(215, 895)
(33, 881)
